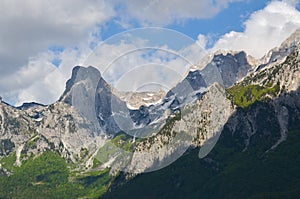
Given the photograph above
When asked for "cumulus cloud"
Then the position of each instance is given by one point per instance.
(264, 30)
(163, 12)
(28, 28)
(40, 80)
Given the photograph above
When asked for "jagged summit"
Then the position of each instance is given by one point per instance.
(80, 74)
(209, 57)
(80, 92)
(225, 67)
(278, 54)
(232, 67)
(292, 41)
(92, 97)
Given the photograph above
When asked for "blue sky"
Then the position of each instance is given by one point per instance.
(228, 19)
(41, 41)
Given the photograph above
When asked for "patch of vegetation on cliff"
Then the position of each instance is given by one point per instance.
(118, 148)
(244, 96)
(124, 141)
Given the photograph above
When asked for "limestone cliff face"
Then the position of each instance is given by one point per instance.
(58, 127)
(192, 126)
(81, 90)
(92, 97)
(227, 68)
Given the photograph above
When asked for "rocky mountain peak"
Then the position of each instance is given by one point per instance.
(226, 67)
(80, 74)
(278, 54)
(292, 40)
(81, 90)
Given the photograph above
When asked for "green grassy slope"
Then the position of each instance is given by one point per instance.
(49, 176)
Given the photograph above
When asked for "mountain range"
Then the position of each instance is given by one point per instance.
(229, 129)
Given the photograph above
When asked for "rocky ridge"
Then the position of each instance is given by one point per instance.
(84, 120)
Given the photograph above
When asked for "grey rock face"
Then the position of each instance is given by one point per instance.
(58, 127)
(93, 98)
(81, 91)
(226, 69)
(193, 82)
(108, 106)
(80, 75)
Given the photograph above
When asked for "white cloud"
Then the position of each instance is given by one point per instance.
(146, 56)
(40, 81)
(163, 12)
(129, 65)
(264, 30)
(28, 28)
(292, 2)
